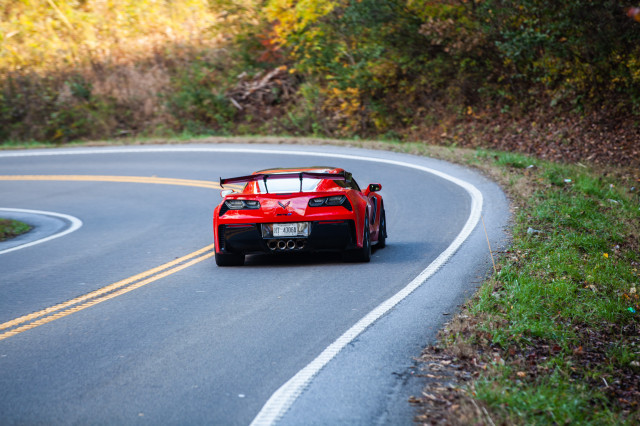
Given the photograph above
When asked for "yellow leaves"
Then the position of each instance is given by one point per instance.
(472, 113)
(633, 66)
(51, 33)
(62, 16)
(605, 255)
(293, 16)
(350, 100)
(345, 106)
(310, 11)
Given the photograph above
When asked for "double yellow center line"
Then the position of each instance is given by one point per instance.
(124, 179)
(27, 322)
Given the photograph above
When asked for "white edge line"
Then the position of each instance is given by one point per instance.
(280, 402)
(75, 225)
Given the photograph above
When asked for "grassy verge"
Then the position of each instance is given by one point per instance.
(554, 336)
(12, 228)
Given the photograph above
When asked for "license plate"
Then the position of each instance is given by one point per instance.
(285, 229)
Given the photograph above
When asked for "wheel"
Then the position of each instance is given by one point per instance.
(382, 231)
(229, 259)
(361, 254)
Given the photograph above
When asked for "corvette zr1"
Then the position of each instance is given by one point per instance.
(296, 210)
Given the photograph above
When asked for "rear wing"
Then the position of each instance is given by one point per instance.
(300, 175)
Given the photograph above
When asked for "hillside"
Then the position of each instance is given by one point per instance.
(559, 81)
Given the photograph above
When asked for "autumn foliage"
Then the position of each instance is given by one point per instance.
(412, 69)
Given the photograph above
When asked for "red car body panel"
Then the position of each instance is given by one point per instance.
(235, 229)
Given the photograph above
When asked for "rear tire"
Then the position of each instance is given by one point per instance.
(361, 254)
(382, 231)
(229, 259)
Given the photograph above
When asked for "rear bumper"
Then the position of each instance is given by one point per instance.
(334, 235)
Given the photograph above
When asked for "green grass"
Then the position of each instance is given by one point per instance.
(559, 311)
(553, 400)
(12, 228)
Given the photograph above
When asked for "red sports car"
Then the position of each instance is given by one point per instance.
(295, 210)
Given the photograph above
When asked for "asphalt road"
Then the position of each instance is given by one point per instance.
(208, 345)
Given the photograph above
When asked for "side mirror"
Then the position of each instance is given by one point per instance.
(226, 192)
(374, 187)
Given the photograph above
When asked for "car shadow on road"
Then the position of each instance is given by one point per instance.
(293, 259)
(391, 254)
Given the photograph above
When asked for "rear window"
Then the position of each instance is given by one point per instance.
(275, 186)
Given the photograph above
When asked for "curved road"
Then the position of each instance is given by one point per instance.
(153, 332)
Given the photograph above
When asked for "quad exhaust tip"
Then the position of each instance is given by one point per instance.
(286, 245)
